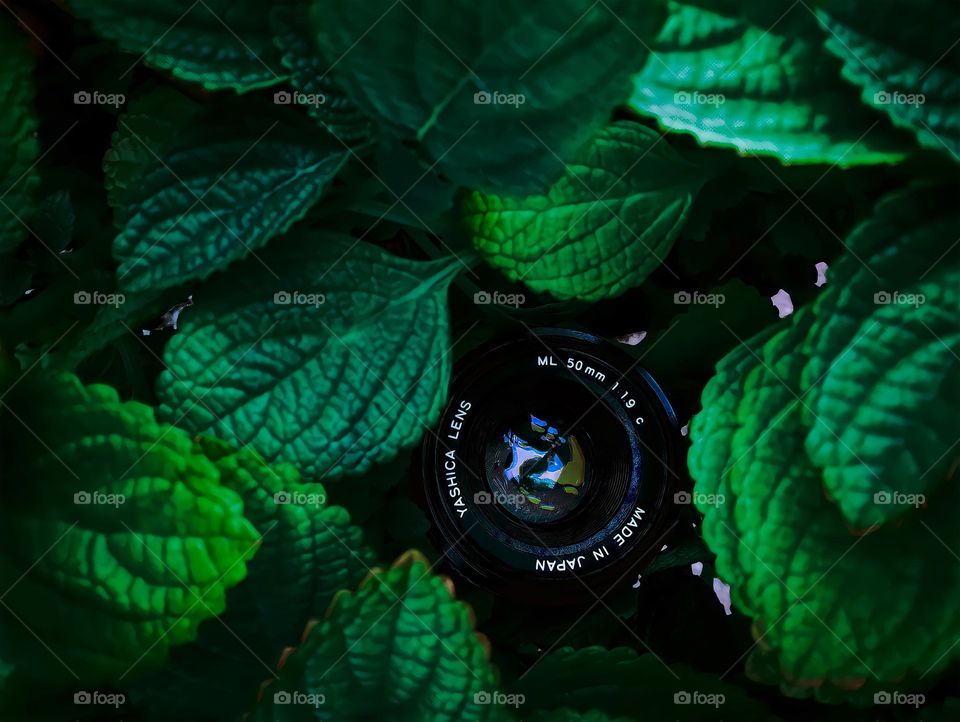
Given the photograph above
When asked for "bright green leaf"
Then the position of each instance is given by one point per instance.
(602, 228)
(885, 354)
(835, 421)
(118, 538)
(761, 85)
(495, 94)
(310, 551)
(326, 352)
(217, 43)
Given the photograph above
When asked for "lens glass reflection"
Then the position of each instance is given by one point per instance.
(536, 471)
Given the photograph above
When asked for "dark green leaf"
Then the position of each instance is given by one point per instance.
(312, 78)
(18, 143)
(217, 43)
(195, 190)
(332, 354)
(910, 71)
(494, 94)
(621, 682)
(399, 649)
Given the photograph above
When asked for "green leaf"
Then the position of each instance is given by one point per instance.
(595, 680)
(548, 76)
(828, 423)
(890, 340)
(144, 133)
(759, 83)
(399, 648)
(18, 125)
(217, 43)
(118, 538)
(311, 76)
(906, 70)
(195, 190)
(331, 355)
(310, 550)
(602, 228)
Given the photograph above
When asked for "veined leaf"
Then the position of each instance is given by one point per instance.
(118, 538)
(832, 440)
(198, 189)
(885, 357)
(762, 87)
(312, 77)
(309, 551)
(399, 648)
(332, 355)
(495, 94)
(144, 133)
(602, 228)
(217, 43)
(905, 70)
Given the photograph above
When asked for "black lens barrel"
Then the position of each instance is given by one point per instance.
(551, 473)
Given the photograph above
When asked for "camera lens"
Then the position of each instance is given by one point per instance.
(552, 467)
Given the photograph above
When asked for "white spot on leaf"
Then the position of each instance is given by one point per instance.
(821, 273)
(783, 303)
(722, 591)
